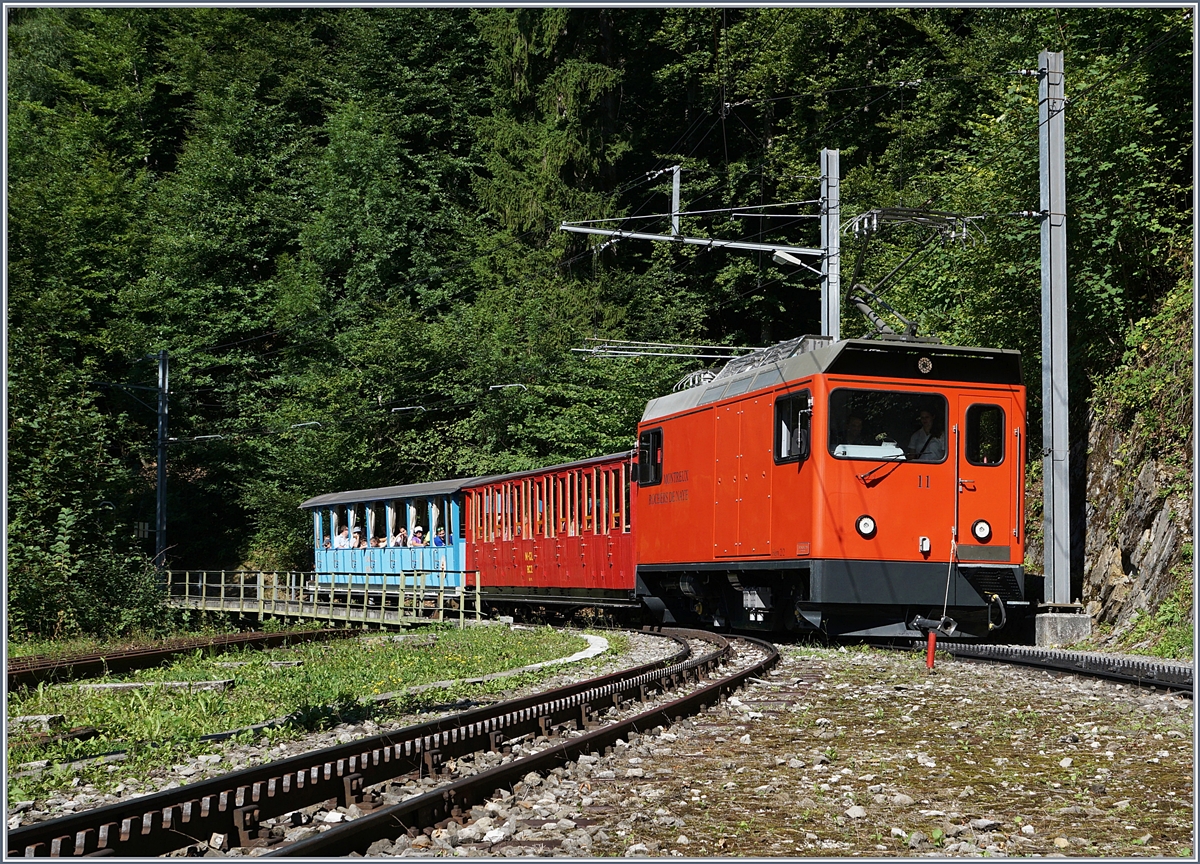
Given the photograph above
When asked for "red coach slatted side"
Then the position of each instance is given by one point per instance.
(564, 527)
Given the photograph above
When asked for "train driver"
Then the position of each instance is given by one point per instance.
(925, 445)
(854, 433)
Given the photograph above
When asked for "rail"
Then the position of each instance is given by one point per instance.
(30, 671)
(352, 598)
(455, 798)
(233, 805)
(1140, 671)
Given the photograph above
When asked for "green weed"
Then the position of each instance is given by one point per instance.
(158, 725)
(1169, 629)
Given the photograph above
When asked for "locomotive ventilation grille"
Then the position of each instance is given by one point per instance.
(1001, 581)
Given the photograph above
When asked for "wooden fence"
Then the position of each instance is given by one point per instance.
(398, 599)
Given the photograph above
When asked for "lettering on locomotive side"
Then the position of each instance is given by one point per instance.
(675, 477)
(668, 497)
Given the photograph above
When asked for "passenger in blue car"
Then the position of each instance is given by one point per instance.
(342, 541)
(418, 537)
(439, 537)
(401, 538)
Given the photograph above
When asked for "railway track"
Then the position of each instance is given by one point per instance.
(231, 809)
(1145, 672)
(31, 671)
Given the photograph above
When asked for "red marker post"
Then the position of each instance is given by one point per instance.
(930, 650)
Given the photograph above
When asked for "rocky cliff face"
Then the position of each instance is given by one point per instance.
(1138, 521)
(1137, 536)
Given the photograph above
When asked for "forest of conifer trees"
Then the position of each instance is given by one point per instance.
(324, 214)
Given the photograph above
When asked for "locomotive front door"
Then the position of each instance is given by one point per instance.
(989, 478)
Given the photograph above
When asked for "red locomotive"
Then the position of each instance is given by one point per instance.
(853, 487)
(848, 486)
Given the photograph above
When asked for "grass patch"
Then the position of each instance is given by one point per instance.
(83, 644)
(1167, 632)
(158, 726)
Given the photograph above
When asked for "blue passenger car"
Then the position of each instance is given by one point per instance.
(377, 515)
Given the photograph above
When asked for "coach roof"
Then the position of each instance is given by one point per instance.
(444, 487)
(382, 493)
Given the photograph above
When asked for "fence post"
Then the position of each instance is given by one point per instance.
(441, 595)
(261, 591)
(478, 605)
(383, 602)
(421, 607)
(187, 588)
(462, 601)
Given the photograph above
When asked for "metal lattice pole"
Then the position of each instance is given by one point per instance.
(160, 515)
(831, 242)
(1056, 519)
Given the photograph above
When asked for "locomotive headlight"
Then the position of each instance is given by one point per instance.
(865, 526)
(981, 529)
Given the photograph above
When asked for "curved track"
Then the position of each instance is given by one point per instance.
(233, 805)
(438, 806)
(1143, 671)
(30, 671)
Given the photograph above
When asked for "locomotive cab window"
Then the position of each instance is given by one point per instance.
(793, 427)
(650, 457)
(887, 424)
(985, 435)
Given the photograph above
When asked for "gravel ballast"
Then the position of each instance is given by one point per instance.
(842, 753)
(835, 753)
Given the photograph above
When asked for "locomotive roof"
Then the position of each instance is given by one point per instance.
(441, 487)
(870, 358)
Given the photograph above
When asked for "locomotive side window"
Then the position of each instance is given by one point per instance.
(887, 424)
(650, 457)
(985, 435)
(792, 427)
